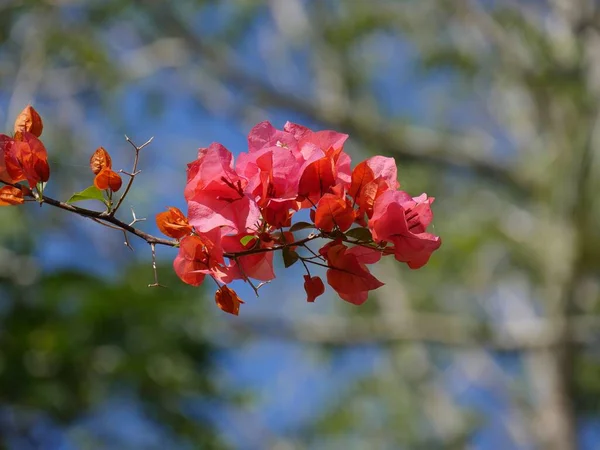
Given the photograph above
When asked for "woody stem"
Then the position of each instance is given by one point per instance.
(133, 173)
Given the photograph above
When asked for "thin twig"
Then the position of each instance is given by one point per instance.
(133, 173)
(246, 277)
(156, 283)
(103, 216)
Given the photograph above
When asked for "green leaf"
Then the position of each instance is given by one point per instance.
(301, 226)
(90, 193)
(289, 257)
(361, 234)
(246, 239)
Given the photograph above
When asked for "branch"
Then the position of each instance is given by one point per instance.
(103, 216)
(133, 173)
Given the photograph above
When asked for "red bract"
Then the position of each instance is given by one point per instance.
(402, 220)
(29, 120)
(370, 179)
(314, 287)
(4, 142)
(108, 179)
(173, 223)
(11, 196)
(265, 135)
(201, 255)
(348, 275)
(273, 174)
(228, 300)
(258, 265)
(215, 193)
(333, 211)
(25, 158)
(99, 160)
(321, 175)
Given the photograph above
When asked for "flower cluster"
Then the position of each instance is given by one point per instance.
(240, 213)
(23, 157)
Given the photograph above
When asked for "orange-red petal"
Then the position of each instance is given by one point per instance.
(10, 195)
(173, 223)
(100, 160)
(334, 211)
(228, 300)
(108, 179)
(314, 287)
(30, 121)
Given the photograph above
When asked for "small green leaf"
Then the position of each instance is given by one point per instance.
(289, 257)
(301, 226)
(361, 234)
(246, 239)
(90, 193)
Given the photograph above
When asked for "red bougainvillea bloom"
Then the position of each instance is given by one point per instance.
(173, 223)
(30, 121)
(370, 179)
(108, 179)
(228, 300)
(402, 220)
(240, 213)
(333, 211)
(258, 265)
(25, 158)
(215, 193)
(272, 167)
(314, 287)
(10, 195)
(99, 160)
(348, 274)
(201, 255)
(4, 142)
(320, 176)
(265, 135)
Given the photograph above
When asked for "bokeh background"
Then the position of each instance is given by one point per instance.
(490, 106)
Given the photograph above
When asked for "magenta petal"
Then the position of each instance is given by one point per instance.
(206, 212)
(385, 168)
(266, 135)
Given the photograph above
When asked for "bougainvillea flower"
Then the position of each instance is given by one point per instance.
(108, 179)
(402, 220)
(4, 142)
(215, 194)
(200, 255)
(333, 211)
(273, 174)
(348, 275)
(264, 135)
(258, 265)
(320, 142)
(279, 213)
(321, 175)
(29, 121)
(228, 300)
(99, 160)
(10, 195)
(206, 212)
(298, 131)
(370, 179)
(314, 287)
(213, 172)
(26, 158)
(173, 223)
